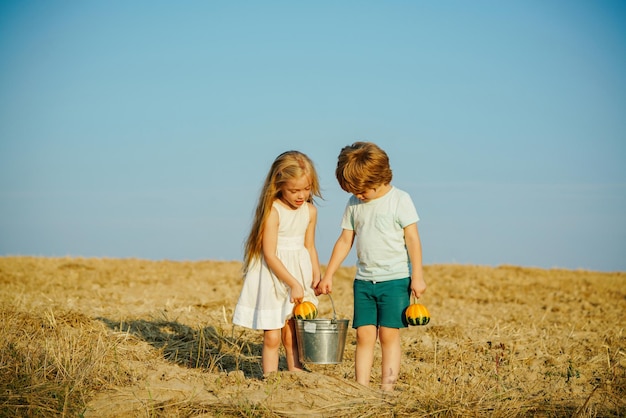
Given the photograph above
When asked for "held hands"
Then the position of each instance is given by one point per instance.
(325, 286)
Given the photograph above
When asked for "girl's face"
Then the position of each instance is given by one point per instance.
(295, 192)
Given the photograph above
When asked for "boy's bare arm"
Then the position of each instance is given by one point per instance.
(414, 248)
(340, 252)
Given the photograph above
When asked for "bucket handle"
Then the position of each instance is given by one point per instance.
(333, 305)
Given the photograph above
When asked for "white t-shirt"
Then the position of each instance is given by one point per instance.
(379, 226)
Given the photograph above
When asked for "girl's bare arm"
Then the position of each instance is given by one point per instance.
(270, 241)
(309, 243)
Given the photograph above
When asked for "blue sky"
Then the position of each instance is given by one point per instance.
(144, 129)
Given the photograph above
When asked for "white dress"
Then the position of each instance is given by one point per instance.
(264, 302)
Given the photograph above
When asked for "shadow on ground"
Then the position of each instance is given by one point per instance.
(209, 348)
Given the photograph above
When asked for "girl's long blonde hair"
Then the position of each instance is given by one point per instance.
(287, 166)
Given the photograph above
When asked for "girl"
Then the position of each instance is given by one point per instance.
(280, 265)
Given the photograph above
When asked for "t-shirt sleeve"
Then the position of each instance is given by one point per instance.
(347, 221)
(407, 214)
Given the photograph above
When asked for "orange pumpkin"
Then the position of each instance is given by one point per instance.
(417, 314)
(305, 310)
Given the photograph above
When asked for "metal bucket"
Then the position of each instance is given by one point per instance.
(321, 341)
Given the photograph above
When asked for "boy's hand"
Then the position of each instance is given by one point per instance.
(325, 286)
(418, 286)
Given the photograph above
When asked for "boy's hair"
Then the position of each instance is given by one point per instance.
(287, 166)
(362, 166)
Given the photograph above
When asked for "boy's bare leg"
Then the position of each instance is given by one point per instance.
(391, 353)
(291, 346)
(269, 356)
(364, 356)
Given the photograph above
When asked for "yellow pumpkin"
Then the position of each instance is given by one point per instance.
(417, 314)
(305, 310)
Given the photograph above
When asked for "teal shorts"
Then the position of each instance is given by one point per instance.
(381, 303)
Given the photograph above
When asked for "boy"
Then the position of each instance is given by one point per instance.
(383, 220)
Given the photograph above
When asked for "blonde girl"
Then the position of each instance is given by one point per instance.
(281, 265)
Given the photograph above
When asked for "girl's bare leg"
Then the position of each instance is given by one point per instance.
(291, 346)
(364, 356)
(391, 353)
(271, 344)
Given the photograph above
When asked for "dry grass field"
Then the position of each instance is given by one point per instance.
(135, 338)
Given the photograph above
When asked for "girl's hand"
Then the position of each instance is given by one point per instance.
(297, 294)
(315, 283)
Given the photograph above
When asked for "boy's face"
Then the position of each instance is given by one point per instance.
(366, 195)
(373, 193)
